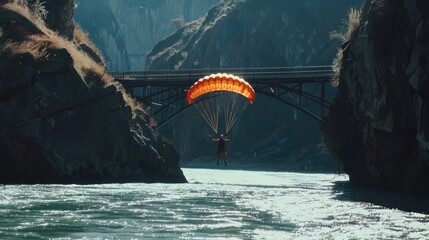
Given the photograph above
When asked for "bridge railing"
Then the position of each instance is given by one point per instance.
(189, 76)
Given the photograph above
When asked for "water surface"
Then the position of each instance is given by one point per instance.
(216, 204)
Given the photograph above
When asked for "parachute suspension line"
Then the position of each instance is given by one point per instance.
(212, 110)
(232, 107)
(238, 105)
(199, 107)
(232, 122)
(208, 108)
(226, 112)
(230, 115)
(202, 107)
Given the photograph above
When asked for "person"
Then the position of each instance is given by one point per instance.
(221, 150)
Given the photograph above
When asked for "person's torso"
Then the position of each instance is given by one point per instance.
(221, 143)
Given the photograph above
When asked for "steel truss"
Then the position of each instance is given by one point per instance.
(164, 92)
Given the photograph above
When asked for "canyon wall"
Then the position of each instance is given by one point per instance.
(378, 125)
(255, 33)
(126, 30)
(62, 118)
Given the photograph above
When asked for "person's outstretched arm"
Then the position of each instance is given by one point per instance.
(214, 139)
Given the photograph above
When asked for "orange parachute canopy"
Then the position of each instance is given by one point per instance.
(220, 82)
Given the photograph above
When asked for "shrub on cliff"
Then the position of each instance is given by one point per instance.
(38, 44)
(63, 119)
(344, 34)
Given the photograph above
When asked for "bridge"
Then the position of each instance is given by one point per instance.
(164, 91)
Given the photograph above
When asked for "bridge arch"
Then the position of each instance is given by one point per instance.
(164, 92)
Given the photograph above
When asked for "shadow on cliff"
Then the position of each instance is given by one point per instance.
(63, 119)
(344, 191)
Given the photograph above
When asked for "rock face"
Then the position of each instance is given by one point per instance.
(378, 125)
(97, 18)
(257, 33)
(60, 17)
(61, 121)
(254, 33)
(127, 30)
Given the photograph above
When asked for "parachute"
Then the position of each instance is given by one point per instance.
(220, 96)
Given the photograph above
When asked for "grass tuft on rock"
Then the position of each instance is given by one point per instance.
(38, 44)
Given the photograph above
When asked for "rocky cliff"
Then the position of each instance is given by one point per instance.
(62, 118)
(378, 125)
(256, 33)
(127, 30)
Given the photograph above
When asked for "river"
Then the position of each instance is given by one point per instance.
(215, 204)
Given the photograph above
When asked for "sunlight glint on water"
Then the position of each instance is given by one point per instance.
(216, 204)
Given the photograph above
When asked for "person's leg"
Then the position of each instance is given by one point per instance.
(225, 157)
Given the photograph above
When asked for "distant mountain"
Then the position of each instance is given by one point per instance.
(256, 33)
(126, 30)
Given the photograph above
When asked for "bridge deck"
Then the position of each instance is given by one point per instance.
(185, 78)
